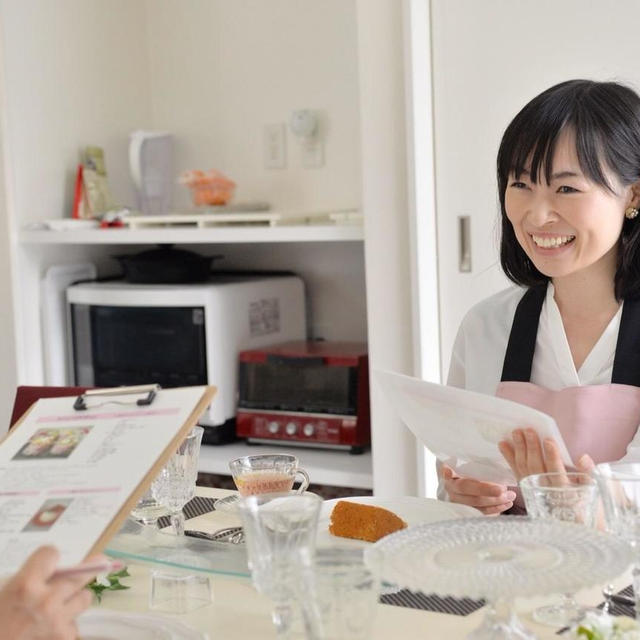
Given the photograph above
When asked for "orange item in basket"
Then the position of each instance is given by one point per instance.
(363, 521)
(208, 187)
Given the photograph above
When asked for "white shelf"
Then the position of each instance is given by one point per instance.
(192, 235)
(324, 466)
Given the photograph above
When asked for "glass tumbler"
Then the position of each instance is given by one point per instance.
(571, 497)
(619, 484)
(346, 592)
(280, 530)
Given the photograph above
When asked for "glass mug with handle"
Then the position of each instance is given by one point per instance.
(267, 473)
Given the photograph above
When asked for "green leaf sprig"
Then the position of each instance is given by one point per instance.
(110, 582)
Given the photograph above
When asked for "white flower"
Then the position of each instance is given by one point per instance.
(605, 627)
(103, 579)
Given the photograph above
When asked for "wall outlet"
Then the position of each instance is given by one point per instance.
(313, 153)
(274, 147)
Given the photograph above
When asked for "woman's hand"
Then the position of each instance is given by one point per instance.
(34, 604)
(527, 455)
(488, 497)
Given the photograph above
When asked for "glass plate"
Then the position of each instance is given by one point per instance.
(500, 557)
(139, 543)
(226, 504)
(100, 624)
(411, 509)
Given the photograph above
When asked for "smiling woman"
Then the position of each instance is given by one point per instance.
(568, 179)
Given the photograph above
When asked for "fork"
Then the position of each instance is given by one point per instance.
(234, 535)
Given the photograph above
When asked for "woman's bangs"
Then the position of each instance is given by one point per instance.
(532, 153)
(590, 152)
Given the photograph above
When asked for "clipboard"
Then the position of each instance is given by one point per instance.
(108, 468)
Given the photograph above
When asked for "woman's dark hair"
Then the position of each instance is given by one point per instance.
(605, 118)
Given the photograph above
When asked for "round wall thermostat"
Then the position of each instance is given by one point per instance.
(304, 122)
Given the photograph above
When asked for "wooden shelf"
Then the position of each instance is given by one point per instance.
(324, 466)
(192, 235)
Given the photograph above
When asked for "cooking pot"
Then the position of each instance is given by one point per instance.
(166, 265)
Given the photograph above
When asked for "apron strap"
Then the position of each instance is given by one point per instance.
(522, 339)
(626, 364)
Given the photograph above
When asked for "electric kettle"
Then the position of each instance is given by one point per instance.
(150, 161)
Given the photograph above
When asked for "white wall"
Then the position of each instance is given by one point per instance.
(388, 272)
(489, 59)
(75, 73)
(222, 69)
(7, 326)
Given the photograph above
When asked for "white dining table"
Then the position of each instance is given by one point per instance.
(239, 612)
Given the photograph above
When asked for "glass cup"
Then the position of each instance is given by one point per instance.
(280, 530)
(148, 510)
(346, 593)
(619, 484)
(175, 593)
(175, 485)
(268, 473)
(571, 497)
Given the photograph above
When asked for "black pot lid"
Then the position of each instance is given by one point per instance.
(165, 254)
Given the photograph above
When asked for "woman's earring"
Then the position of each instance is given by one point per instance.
(631, 213)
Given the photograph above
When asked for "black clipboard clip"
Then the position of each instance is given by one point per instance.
(150, 390)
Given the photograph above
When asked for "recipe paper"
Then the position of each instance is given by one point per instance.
(463, 428)
(70, 478)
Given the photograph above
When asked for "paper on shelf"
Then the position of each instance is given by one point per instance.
(463, 428)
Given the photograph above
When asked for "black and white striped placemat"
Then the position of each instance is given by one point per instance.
(195, 507)
(622, 609)
(432, 602)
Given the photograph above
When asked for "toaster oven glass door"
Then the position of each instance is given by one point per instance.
(298, 385)
(137, 345)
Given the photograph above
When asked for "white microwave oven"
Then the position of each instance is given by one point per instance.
(121, 333)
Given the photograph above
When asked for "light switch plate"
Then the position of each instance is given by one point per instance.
(274, 146)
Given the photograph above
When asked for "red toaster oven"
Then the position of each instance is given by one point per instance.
(305, 393)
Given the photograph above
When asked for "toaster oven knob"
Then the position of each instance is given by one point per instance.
(291, 428)
(273, 427)
(308, 429)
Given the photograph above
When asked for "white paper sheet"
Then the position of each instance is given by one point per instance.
(463, 428)
(65, 474)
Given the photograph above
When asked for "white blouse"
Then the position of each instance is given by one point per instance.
(481, 343)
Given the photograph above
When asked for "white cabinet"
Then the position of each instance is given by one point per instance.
(334, 298)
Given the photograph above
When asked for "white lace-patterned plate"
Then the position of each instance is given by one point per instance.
(99, 624)
(500, 557)
(411, 509)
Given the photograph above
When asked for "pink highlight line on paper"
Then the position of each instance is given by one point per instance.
(19, 493)
(87, 417)
(56, 492)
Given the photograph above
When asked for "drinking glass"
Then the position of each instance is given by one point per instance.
(346, 592)
(571, 497)
(267, 473)
(148, 510)
(280, 531)
(175, 485)
(619, 484)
